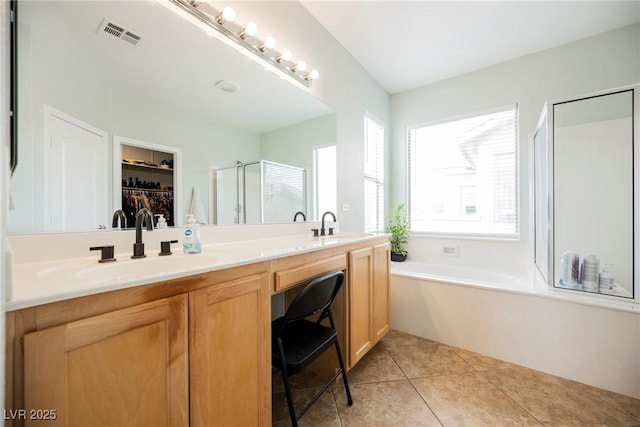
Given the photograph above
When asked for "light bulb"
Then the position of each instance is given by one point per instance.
(286, 55)
(269, 43)
(250, 30)
(312, 75)
(227, 15)
(300, 66)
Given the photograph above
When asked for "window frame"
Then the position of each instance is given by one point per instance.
(316, 196)
(377, 180)
(507, 237)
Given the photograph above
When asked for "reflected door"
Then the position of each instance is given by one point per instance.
(76, 184)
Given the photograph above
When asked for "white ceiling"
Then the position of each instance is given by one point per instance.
(407, 44)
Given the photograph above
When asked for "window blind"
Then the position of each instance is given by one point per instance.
(463, 175)
(373, 175)
(283, 192)
(325, 185)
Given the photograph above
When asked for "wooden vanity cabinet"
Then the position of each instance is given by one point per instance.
(230, 352)
(189, 351)
(126, 367)
(381, 291)
(369, 318)
(360, 277)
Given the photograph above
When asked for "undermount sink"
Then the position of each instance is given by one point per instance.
(340, 237)
(274, 245)
(152, 265)
(348, 235)
(90, 270)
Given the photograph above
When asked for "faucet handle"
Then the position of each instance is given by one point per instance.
(106, 254)
(165, 247)
(315, 232)
(330, 231)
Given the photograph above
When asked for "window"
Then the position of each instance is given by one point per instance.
(373, 175)
(324, 166)
(463, 175)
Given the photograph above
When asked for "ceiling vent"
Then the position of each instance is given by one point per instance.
(114, 30)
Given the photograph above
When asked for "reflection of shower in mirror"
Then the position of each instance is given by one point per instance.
(260, 192)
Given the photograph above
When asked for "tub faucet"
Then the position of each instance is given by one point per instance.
(119, 215)
(143, 215)
(304, 218)
(322, 233)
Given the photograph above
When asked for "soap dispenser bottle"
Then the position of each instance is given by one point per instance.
(162, 222)
(191, 236)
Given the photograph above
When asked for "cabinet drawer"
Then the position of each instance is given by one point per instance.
(307, 269)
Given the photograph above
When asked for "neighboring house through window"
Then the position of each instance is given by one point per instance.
(463, 175)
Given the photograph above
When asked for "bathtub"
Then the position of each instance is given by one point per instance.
(591, 339)
(461, 276)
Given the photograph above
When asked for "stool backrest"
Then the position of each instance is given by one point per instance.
(316, 297)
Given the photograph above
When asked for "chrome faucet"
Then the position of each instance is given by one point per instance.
(304, 218)
(119, 215)
(145, 216)
(322, 233)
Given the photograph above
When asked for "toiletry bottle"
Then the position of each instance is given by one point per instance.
(575, 271)
(606, 281)
(191, 236)
(565, 277)
(162, 222)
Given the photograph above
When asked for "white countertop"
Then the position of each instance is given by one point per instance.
(36, 283)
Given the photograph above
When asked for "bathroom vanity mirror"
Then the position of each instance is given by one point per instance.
(169, 84)
(592, 143)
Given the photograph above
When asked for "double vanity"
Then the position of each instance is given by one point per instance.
(180, 339)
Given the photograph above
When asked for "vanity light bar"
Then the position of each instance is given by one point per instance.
(245, 40)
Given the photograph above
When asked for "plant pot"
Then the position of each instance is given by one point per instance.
(397, 257)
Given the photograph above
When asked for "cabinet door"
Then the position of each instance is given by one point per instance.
(126, 368)
(360, 303)
(230, 351)
(381, 300)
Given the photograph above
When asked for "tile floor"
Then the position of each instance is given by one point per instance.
(411, 381)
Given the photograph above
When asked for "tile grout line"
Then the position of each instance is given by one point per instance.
(475, 371)
(509, 396)
(425, 402)
(478, 371)
(395, 361)
(335, 402)
(412, 385)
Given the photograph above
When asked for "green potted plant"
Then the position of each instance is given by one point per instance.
(399, 230)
